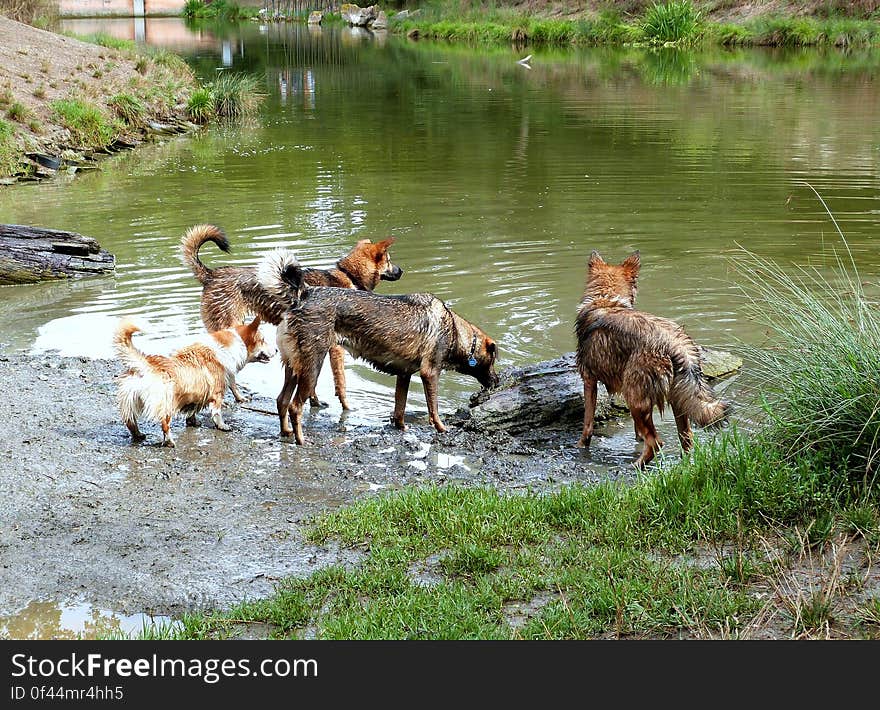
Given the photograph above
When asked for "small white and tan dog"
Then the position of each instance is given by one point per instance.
(185, 382)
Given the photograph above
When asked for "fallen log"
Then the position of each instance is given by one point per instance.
(31, 254)
(551, 394)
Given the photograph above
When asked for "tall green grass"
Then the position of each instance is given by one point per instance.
(88, 125)
(674, 21)
(236, 95)
(10, 156)
(821, 373)
(218, 9)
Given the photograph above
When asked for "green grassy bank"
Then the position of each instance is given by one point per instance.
(678, 22)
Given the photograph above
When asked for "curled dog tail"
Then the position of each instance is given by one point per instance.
(125, 349)
(281, 276)
(191, 243)
(691, 394)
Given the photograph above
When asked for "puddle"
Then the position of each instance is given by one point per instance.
(42, 620)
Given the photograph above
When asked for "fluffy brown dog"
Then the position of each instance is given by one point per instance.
(230, 292)
(648, 359)
(188, 380)
(398, 335)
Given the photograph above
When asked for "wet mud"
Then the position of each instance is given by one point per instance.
(87, 518)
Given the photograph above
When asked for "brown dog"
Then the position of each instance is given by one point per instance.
(648, 359)
(398, 335)
(188, 380)
(230, 292)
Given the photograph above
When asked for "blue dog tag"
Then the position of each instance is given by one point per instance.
(472, 361)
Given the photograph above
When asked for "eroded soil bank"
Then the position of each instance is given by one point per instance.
(87, 517)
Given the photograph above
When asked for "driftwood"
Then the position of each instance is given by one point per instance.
(31, 254)
(551, 394)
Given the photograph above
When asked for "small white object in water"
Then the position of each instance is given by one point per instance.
(524, 61)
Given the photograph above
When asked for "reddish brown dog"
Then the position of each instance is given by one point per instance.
(230, 292)
(650, 360)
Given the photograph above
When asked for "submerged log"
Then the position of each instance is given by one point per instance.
(31, 254)
(551, 394)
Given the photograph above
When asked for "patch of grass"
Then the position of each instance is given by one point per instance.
(40, 92)
(170, 60)
(35, 126)
(200, 105)
(127, 107)
(104, 39)
(10, 155)
(141, 65)
(674, 21)
(17, 111)
(89, 126)
(218, 9)
(38, 13)
(236, 95)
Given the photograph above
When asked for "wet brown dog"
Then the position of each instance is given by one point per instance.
(230, 292)
(398, 335)
(650, 360)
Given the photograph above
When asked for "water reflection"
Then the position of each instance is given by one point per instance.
(51, 620)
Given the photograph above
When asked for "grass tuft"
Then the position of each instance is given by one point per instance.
(129, 108)
(674, 21)
(89, 126)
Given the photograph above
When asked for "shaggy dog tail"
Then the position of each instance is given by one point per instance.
(281, 276)
(126, 350)
(691, 394)
(191, 243)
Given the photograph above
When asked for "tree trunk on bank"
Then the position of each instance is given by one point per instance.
(31, 254)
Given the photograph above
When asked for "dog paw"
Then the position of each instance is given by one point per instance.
(169, 443)
(224, 427)
(584, 443)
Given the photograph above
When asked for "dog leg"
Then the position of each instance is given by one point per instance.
(307, 380)
(167, 439)
(136, 435)
(685, 433)
(590, 389)
(337, 365)
(431, 383)
(283, 400)
(644, 422)
(233, 387)
(216, 405)
(400, 392)
(191, 420)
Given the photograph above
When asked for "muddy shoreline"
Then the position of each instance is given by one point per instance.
(89, 518)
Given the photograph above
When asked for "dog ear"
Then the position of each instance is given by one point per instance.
(632, 263)
(595, 259)
(385, 244)
(491, 348)
(255, 323)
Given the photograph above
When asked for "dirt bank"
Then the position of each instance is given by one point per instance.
(63, 98)
(88, 517)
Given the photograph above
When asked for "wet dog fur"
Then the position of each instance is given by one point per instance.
(398, 335)
(194, 377)
(650, 360)
(229, 293)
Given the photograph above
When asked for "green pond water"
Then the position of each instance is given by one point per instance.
(497, 180)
